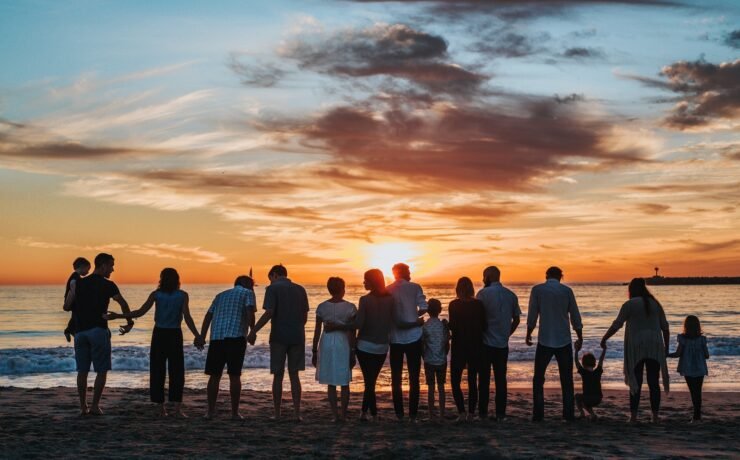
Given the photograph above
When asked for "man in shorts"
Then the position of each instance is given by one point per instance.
(230, 315)
(91, 297)
(286, 307)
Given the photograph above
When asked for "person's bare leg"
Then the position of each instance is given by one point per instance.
(295, 391)
(277, 393)
(213, 382)
(100, 379)
(442, 399)
(235, 389)
(332, 393)
(82, 392)
(345, 401)
(579, 404)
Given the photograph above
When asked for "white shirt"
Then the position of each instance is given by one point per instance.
(501, 306)
(553, 302)
(410, 303)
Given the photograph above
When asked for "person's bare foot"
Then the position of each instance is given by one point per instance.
(363, 417)
(180, 414)
(237, 417)
(655, 419)
(84, 411)
(632, 419)
(209, 416)
(95, 410)
(461, 417)
(162, 412)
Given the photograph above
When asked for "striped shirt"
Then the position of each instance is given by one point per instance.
(229, 309)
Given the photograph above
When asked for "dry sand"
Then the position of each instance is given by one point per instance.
(44, 423)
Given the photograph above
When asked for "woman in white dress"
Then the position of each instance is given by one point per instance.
(333, 351)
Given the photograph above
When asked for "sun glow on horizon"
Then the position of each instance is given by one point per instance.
(385, 255)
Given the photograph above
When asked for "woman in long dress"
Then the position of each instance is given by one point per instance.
(646, 339)
(333, 353)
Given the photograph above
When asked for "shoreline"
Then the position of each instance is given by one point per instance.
(35, 423)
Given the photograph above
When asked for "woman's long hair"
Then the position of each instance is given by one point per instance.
(692, 327)
(638, 288)
(169, 280)
(465, 288)
(376, 280)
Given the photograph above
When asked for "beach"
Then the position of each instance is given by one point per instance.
(44, 422)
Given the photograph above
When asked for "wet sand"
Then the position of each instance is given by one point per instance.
(44, 423)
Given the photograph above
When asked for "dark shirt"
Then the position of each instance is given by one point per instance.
(467, 323)
(375, 318)
(591, 383)
(289, 305)
(73, 277)
(92, 295)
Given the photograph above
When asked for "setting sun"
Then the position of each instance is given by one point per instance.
(385, 255)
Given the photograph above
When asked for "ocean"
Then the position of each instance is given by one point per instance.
(34, 353)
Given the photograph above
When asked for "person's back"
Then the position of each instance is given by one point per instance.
(408, 298)
(374, 319)
(639, 319)
(289, 304)
(168, 309)
(555, 304)
(467, 325)
(92, 297)
(500, 305)
(435, 333)
(229, 313)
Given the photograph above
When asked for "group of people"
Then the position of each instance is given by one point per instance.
(388, 320)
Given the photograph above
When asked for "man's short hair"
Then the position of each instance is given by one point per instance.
(554, 272)
(103, 259)
(244, 281)
(492, 274)
(278, 270)
(434, 307)
(401, 270)
(80, 262)
(335, 285)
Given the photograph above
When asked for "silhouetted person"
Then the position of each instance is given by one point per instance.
(333, 354)
(286, 308)
(374, 321)
(692, 354)
(166, 355)
(410, 304)
(467, 323)
(590, 373)
(502, 312)
(555, 306)
(229, 318)
(645, 345)
(80, 267)
(436, 340)
(91, 297)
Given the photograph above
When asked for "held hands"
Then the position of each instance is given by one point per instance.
(579, 344)
(126, 328)
(603, 344)
(528, 340)
(199, 342)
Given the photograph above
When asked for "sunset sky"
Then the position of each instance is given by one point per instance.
(336, 135)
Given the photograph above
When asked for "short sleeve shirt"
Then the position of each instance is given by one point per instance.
(92, 297)
(288, 303)
(229, 310)
(435, 334)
